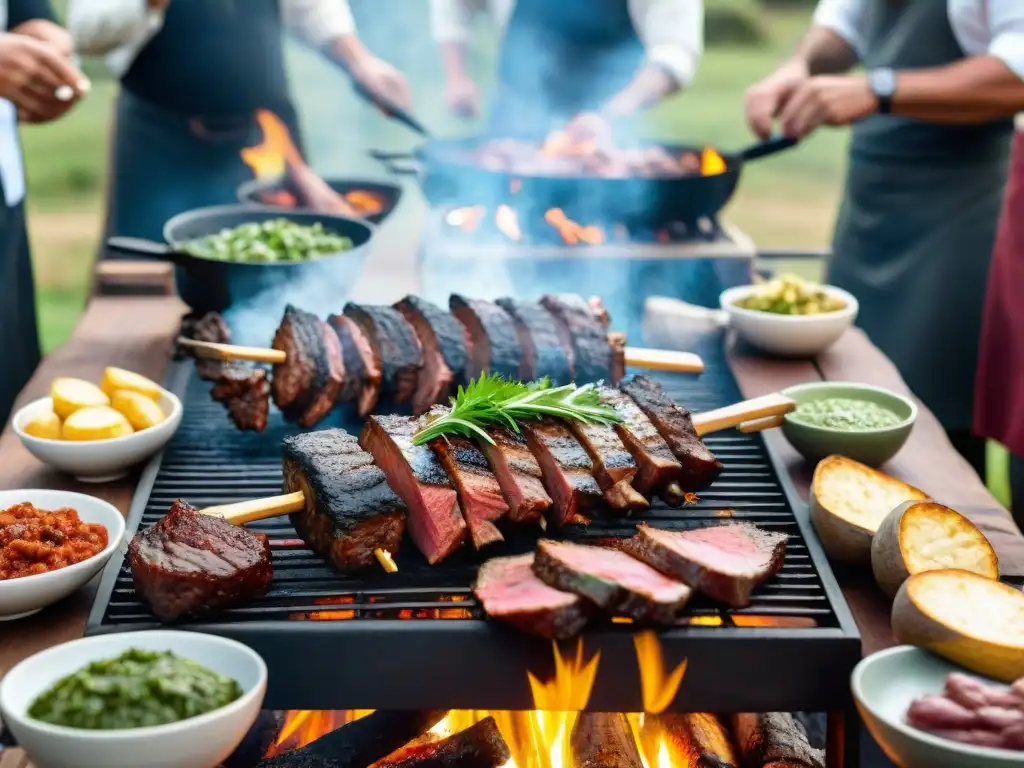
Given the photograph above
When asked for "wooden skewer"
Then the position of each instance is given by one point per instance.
(754, 410)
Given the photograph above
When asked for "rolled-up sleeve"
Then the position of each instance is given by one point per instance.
(672, 32)
(99, 27)
(846, 18)
(318, 21)
(1006, 26)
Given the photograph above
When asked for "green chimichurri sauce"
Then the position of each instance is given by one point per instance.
(137, 689)
(846, 414)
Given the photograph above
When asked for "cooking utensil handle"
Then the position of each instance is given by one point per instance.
(139, 246)
(258, 509)
(383, 156)
(388, 160)
(664, 360)
(231, 352)
(738, 413)
(767, 147)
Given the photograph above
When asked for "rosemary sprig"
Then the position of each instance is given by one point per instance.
(492, 399)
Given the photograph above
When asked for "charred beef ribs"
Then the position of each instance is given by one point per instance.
(395, 349)
(567, 470)
(490, 337)
(245, 392)
(362, 369)
(724, 562)
(434, 520)
(610, 579)
(614, 467)
(587, 338)
(350, 510)
(518, 474)
(306, 385)
(443, 341)
(543, 355)
(208, 327)
(510, 591)
(700, 467)
(190, 564)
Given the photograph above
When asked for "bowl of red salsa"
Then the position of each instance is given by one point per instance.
(51, 544)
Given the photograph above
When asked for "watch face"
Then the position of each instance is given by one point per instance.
(883, 82)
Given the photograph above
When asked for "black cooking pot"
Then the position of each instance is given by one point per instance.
(207, 285)
(263, 192)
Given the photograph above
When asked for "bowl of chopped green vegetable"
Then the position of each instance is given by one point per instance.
(789, 316)
(162, 699)
(862, 422)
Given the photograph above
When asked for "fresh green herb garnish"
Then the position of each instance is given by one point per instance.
(492, 399)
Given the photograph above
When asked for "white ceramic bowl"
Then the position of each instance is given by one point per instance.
(198, 742)
(30, 594)
(884, 684)
(789, 335)
(98, 461)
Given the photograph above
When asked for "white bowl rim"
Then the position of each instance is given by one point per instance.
(176, 410)
(113, 539)
(914, 733)
(727, 301)
(812, 385)
(147, 731)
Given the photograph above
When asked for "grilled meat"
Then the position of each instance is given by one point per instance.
(362, 370)
(480, 496)
(610, 579)
(306, 385)
(509, 591)
(591, 355)
(518, 474)
(658, 468)
(700, 467)
(724, 562)
(209, 327)
(245, 392)
(491, 337)
(614, 467)
(350, 510)
(189, 564)
(774, 740)
(395, 348)
(538, 338)
(567, 470)
(415, 474)
(443, 341)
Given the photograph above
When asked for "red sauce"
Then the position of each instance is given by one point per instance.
(36, 540)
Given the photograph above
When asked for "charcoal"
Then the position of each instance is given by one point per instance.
(479, 746)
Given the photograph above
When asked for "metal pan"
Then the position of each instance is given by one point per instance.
(207, 285)
(265, 192)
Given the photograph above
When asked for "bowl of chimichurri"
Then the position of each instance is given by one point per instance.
(862, 422)
(161, 699)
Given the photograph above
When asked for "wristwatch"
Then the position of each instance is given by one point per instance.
(882, 82)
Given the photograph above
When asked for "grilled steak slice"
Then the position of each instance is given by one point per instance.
(518, 474)
(443, 341)
(395, 348)
(774, 740)
(591, 355)
(725, 562)
(700, 467)
(567, 470)
(614, 467)
(245, 392)
(491, 337)
(480, 496)
(415, 474)
(510, 591)
(542, 350)
(610, 579)
(190, 564)
(306, 385)
(362, 373)
(350, 510)
(658, 468)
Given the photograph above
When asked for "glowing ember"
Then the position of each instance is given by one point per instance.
(507, 220)
(466, 219)
(572, 232)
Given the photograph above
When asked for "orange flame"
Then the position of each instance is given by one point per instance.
(657, 688)
(572, 232)
(711, 163)
(269, 159)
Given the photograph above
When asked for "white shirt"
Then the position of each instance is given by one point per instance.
(12, 171)
(672, 31)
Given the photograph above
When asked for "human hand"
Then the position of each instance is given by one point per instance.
(157, 5)
(382, 80)
(315, 193)
(31, 74)
(462, 96)
(766, 99)
(827, 100)
(46, 31)
(590, 130)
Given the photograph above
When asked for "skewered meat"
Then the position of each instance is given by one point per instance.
(395, 348)
(543, 355)
(518, 474)
(307, 384)
(188, 564)
(415, 474)
(362, 370)
(580, 332)
(209, 327)
(604, 740)
(350, 510)
(245, 392)
(509, 590)
(774, 739)
(443, 341)
(700, 467)
(610, 579)
(724, 562)
(613, 466)
(567, 470)
(491, 337)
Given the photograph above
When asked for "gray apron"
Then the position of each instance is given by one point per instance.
(915, 231)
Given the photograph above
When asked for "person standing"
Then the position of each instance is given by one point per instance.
(38, 83)
(932, 122)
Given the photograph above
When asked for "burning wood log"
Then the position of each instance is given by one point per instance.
(774, 740)
(604, 740)
(361, 743)
(479, 746)
(699, 737)
(260, 738)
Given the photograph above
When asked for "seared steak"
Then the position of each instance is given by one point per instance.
(658, 468)
(350, 510)
(591, 355)
(614, 467)
(566, 468)
(491, 337)
(543, 355)
(190, 564)
(518, 474)
(509, 591)
(415, 474)
(307, 383)
(245, 392)
(480, 496)
(700, 467)
(208, 327)
(725, 562)
(443, 341)
(610, 579)
(395, 348)
(362, 371)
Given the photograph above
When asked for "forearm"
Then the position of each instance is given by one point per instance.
(973, 90)
(823, 52)
(453, 59)
(345, 50)
(650, 85)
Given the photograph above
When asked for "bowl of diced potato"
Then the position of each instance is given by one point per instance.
(98, 432)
